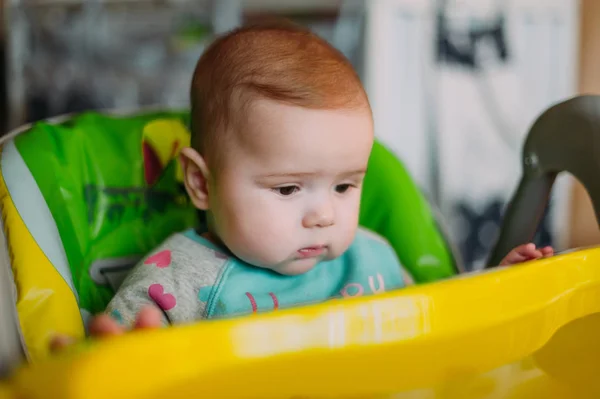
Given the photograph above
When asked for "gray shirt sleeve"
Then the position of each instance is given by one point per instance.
(180, 277)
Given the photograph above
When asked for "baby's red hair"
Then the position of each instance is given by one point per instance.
(281, 62)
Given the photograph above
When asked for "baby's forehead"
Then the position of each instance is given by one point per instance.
(267, 115)
(289, 138)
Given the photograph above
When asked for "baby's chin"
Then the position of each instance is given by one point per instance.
(296, 267)
(293, 267)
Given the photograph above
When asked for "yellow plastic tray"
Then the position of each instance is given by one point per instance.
(531, 331)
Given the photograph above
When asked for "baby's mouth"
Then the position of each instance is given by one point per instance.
(311, 252)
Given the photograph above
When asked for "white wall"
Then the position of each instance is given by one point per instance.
(459, 129)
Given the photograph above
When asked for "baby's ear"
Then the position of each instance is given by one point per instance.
(195, 177)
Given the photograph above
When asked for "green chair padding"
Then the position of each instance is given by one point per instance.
(393, 206)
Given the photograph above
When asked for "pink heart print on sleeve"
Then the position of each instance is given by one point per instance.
(161, 259)
(156, 292)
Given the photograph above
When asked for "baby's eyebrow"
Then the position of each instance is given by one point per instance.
(290, 175)
(299, 175)
(361, 171)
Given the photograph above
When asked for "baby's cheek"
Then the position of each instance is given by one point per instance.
(344, 239)
(349, 214)
(259, 239)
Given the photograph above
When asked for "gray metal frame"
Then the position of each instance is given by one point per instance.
(12, 346)
(565, 138)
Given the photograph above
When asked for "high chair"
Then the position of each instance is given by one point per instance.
(84, 197)
(528, 331)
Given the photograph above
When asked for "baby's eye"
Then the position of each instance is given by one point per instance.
(286, 190)
(342, 188)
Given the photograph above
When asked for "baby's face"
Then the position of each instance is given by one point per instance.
(288, 193)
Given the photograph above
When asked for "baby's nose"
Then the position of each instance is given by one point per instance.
(323, 216)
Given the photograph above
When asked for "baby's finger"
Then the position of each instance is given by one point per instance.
(547, 252)
(521, 254)
(148, 317)
(529, 251)
(60, 342)
(104, 325)
(514, 257)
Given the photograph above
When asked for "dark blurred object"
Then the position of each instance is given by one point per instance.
(452, 48)
(73, 56)
(3, 73)
(70, 56)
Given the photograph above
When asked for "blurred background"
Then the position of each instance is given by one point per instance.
(454, 84)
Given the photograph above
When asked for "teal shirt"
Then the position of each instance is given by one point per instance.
(189, 278)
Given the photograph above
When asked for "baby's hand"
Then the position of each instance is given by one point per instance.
(103, 325)
(525, 253)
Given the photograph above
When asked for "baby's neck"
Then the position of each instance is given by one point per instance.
(212, 238)
(204, 230)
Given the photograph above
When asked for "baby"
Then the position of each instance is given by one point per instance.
(281, 135)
